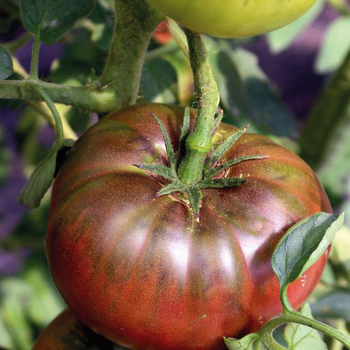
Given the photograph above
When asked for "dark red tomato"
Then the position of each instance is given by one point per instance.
(141, 271)
(66, 332)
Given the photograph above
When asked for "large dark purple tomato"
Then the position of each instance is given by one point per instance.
(141, 271)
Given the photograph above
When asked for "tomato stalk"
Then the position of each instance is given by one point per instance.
(34, 75)
(199, 143)
(135, 22)
(297, 317)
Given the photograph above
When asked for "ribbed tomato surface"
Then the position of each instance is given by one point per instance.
(141, 271)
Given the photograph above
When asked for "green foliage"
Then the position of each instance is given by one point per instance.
(39, 182)
(246, 92)
(281, 39)
(296, 336)
(299, 337)
(26, 301)
(328, 148)
(158, 83)
(335, 304)
(6, 65)
(335, 46)
(4, 158)
(101, 26)
(303, 245)
(52, 19)
(249, 342)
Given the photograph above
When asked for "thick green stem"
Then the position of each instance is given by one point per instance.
(34, 74)
(199, 143)
(135, 22)
(100, 101)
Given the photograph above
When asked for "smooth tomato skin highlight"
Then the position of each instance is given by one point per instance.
(233, 18)
(141, 271)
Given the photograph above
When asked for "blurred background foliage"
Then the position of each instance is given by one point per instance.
(292, 84)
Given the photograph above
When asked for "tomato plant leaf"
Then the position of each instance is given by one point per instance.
(335, 46)
(217, 121)
(330, 117)
(6, 64)
(158, 82)
(300, 337)
(172, 187)
(209, 173)
(303, 245)
(255, 99)
(281, 38)
(4, 158)
(333, 305)
(225, 146)
(168, 145)
(157, 169)
(185, 130)
(53, 18)
(195, 196)
(39, 182)
(250, 342)
(179, 36)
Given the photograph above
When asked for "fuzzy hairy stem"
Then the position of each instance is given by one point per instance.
(199, 143)
(100, 101)
(135, 23)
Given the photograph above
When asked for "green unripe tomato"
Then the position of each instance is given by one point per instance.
(233, 18)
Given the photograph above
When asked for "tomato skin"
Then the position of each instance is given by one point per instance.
(233, 18)
(141, 271)
(66, 332)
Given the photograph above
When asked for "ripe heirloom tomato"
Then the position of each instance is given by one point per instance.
(66, 332)
(233, 18)
(140, 270)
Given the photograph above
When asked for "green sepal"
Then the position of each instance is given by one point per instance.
(224, 147)
(171, 188)
(222, 183)
(209, 173)
(217, 121)
(168, 145)
(157, 169)
(195, 196)
(39, 182)
(185, 131)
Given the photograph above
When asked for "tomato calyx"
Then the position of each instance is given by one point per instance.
(213, 166)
